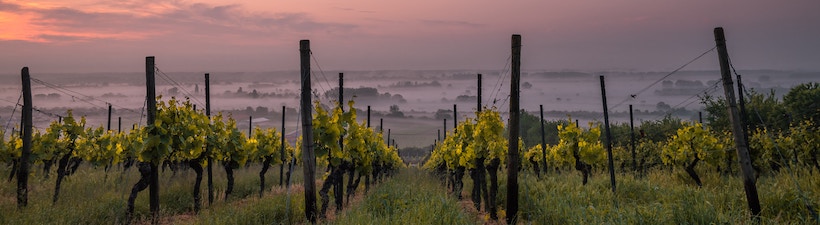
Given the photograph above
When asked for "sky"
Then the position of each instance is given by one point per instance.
(80, 36)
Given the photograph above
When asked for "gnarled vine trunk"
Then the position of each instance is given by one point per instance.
(690, 169)
(265, 167)
(197, 167)
(229, 166)
(142, 184)
(492, 169)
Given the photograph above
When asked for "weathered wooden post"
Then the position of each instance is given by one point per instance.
(543, 140)
(109, 117)
(23, 170)
(282, 149)
(608, 139)
(208, 148)
(455, 118)
(737, 128)
(632, 139)
(512, 152)
(153, 188)
(308, 156)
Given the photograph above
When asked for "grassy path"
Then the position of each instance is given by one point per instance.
(411, 197)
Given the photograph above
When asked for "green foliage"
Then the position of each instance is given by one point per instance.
(583, 143)
(691, 142)
(802, 102)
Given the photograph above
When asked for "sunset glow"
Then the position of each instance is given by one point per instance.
(366, 34)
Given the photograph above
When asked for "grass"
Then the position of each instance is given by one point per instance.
(412, 197)
(661, 198)
(92, 196)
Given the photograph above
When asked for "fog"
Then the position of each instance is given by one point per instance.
(418, 95)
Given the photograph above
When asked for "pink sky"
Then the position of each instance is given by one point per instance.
(262, 35)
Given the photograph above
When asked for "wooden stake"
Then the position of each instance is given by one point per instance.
(23, 168)
(478, 98)
(543, 140)
(109, 117)
(153, 188)
(737, 128)
(282, 149)
(512, 152)
(632, 138)
(308, 156)
(608, 140)
(208, 148)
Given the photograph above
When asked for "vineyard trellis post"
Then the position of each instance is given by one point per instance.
(119, 124)
(478, 94)
(109, 117)
(445, 128)
(250, 126)
(455, 117)
(632, 138)
(207, 148)
(153, 184)
(744, 118)
(608, 140)
(543, 140)
(23, 167)
(737, 128)
(338, 190)
(367, 175)
(308, 156)
(515, 111)
(282, 150)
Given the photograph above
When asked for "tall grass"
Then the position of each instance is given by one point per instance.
(663, 198)
(93, 196)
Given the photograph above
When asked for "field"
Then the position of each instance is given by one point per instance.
(413, 196)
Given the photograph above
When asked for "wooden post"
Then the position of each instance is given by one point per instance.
(308, 156)
(381, 125)
(455, 118)
(250, 126)
(23, 169)
(478, 97)
(153, 188)
(119, 124)
(543, 140)
(608, 140)
(388, 137)
(445, 128)
(208, 148)
(438, 136)
(367, 175)
(744, 118)
(512, 152)
(282, 149)
(737, 129)
(632, 138)
(109, 117)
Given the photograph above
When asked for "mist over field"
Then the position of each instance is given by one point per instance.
(419, 95)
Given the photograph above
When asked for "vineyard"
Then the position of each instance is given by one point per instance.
(756, 164)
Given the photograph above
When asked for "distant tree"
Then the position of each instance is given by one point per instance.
(395, 112)
(444, 114)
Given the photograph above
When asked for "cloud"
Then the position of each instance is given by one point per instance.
(145, 19)
(452, 23)
(353, 10)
